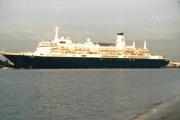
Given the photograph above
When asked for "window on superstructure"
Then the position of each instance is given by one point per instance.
(62, 42)
(83, 55)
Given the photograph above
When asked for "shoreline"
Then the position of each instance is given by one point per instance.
(173, 113)
(168, 111)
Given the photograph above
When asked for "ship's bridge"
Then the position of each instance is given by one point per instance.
(63, 41)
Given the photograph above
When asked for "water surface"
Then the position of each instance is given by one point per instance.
(74, 94)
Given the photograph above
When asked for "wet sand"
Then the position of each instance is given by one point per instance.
(170, 113)
(174, 114)
(165, 111)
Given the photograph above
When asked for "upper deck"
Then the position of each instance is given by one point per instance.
(65, 47)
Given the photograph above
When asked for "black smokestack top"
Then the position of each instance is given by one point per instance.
(120, 34)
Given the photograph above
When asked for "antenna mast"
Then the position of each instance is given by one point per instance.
(57, 28)
(144, 44)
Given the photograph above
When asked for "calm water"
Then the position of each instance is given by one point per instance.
(84, 94)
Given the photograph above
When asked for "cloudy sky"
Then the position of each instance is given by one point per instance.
(23, 23)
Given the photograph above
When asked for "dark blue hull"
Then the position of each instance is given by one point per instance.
(37, 62)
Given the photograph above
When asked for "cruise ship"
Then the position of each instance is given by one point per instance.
(64, 53)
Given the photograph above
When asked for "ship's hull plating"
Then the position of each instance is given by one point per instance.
(38, 62)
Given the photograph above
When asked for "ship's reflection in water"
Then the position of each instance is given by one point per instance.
(105, 94)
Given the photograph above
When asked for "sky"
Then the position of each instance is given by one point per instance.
(23, 23)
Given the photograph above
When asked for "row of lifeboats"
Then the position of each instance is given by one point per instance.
(129, 51)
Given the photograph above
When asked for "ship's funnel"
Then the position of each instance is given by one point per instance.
(120, 34)
(144, 44)
(120, 40)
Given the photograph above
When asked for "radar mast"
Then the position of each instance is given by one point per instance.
(57, 28)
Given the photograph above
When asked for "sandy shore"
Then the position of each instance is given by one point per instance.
(166, 111)
(169, 113)
(173, 114)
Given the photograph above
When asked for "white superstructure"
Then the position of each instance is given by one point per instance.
(65, 47)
